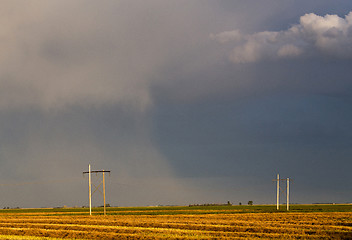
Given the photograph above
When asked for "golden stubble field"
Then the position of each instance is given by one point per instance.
(223, 225)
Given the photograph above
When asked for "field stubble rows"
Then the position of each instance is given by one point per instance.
(317, 225)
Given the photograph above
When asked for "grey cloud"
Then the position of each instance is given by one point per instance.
(78, 75)
(329, 35)
(43, 156)
(139, 88)
(63, 53)
(228, 36)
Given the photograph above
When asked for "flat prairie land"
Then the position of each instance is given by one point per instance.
(201, 222)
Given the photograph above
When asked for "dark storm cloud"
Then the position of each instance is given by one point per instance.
(74, 88)
(274, 108)
(141, 89)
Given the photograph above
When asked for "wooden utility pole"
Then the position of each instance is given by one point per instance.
(96, 187)
(288, 193)
(278, 192)
(90, 191)
(283, 190)
(104, 191)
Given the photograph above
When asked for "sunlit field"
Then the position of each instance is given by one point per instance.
(212, 222)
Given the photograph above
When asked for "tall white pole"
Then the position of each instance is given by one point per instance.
(104, 191)
(278, 192)
(90, 192)
(288, 194)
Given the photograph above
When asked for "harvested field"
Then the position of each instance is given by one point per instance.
(164, 223)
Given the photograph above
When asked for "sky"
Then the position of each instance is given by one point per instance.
(185, 102)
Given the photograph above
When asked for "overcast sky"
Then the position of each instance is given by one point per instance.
(183, 101)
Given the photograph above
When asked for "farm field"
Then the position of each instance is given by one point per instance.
(200, 222)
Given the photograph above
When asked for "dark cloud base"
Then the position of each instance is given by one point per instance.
(304, 137)
(142, 88)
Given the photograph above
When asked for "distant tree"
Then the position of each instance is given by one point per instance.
(228, 203)
(240, 204)
(250, 203)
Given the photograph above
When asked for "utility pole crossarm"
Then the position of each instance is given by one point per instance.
(96, 171)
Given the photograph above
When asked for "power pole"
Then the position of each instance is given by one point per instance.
(278, 192)
(283, 190)
(96, 187)
(288, 193)
(104, 191)
(90, 192)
